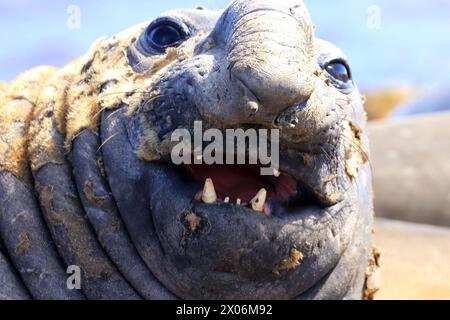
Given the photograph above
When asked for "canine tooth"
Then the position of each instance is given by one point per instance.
(276, 173)
(209, 193)
(227, 200)
(259, 200)
(238, 202)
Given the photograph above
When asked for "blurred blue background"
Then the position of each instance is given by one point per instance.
(410, 47)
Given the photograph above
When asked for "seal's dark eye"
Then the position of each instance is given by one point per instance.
(163, 33)
(339, 71)
(340, 75)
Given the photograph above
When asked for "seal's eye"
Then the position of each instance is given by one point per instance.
(339, 71)
(340, 75)
(164, 36)
(163, 33)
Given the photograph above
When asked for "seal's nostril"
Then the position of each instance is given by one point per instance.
(288, 118)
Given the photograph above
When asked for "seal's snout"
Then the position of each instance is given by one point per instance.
(270, 50)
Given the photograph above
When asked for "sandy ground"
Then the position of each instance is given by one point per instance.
(416, 261)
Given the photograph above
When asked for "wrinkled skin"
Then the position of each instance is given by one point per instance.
(93, 140)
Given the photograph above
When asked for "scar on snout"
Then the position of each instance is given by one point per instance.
(194, 225)
(194, 221)
(294, 261)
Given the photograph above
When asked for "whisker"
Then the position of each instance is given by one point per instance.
(113, 113)
(327, 155)
(105, 108)
(116, 134)
(109, 140)
(356, 147)
(97, 114)
(101, 95)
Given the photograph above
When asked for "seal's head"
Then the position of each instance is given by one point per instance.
(255, 65)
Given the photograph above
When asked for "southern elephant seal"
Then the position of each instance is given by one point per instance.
(410, 158)
(86, 178)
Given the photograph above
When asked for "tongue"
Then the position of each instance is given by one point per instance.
(243, 182)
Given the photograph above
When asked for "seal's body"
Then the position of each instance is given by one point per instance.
(86, 179)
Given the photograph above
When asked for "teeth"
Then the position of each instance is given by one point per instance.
(238, 202)
(227, 200)
(209, 193)
(259, 200)
(276, 173)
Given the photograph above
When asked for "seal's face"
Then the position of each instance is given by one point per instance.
(255, 65)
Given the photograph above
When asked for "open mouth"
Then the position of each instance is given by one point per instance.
(278, 243)
(245, 186)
